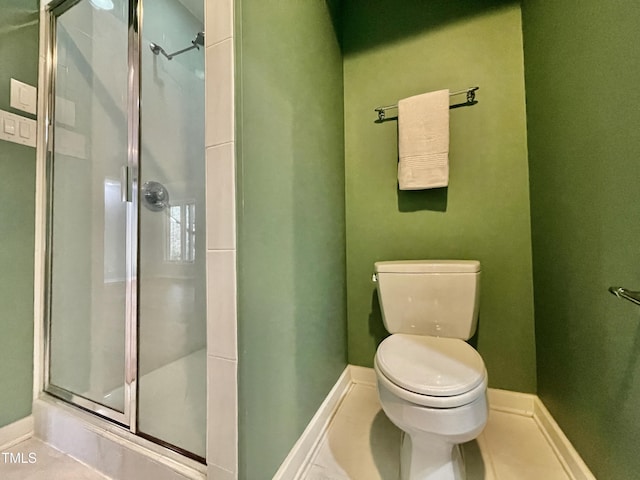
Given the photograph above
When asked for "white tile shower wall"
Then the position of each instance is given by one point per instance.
(222, 412)
(221, 432)
(221, 311)
(219, 21)
(221, 213)
(219, 93)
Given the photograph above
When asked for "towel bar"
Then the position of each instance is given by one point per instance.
(471, 97)
(633, 297)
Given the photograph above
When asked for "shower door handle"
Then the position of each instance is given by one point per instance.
(125, 184)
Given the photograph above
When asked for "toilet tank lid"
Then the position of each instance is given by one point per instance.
(428, 266)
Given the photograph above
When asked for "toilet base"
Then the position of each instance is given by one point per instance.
(430, 459)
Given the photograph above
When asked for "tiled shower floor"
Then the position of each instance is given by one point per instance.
(362, 444)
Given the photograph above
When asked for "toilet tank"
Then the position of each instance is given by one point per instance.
(429, 297)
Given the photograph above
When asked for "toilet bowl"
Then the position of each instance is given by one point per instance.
(434, 425)
(431, 383)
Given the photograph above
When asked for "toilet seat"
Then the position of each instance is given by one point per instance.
(431, 371)
(429, 401)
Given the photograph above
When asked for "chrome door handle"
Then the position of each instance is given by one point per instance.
(620, 292)
(125, 184)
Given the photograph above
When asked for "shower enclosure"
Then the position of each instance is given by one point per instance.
(125, 318)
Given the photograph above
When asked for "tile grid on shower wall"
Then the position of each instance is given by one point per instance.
(222, 360)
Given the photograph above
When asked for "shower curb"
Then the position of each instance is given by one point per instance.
(106, 447)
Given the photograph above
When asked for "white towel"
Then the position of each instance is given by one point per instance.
(423, 141)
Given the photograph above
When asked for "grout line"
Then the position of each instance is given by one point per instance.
(230, 37)
(221, 144)
(218, 467)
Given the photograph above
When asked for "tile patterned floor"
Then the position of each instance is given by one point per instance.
(49, 464)
(362, 444)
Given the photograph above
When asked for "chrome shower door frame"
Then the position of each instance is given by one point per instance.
(128, 418)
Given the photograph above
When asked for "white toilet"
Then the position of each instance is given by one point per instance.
(432, 384)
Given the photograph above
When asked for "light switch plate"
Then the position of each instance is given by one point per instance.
(23, 97)
(17, 129)
(9, 126)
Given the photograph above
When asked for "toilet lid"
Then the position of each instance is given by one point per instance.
(434, 366)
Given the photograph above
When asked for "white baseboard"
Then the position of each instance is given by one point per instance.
(531, 406)
(302, 452)
(511, 402)
(362, 375)
(506, 401)
(16, 432)
(570, 459)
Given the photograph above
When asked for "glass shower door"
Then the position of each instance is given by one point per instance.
(89, 220)
(126, 245)
(172, 295)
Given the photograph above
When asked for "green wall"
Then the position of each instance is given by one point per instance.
(582, 69)
(18, 59)
(291, 260)
(391, 53)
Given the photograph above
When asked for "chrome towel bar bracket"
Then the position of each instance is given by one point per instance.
(620, 292)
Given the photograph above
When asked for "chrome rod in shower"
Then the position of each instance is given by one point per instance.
(195, 43)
